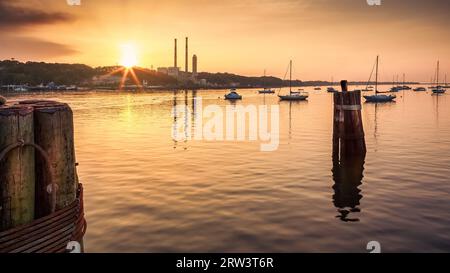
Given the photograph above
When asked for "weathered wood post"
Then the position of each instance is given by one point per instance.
(349, 151)
(54, 133)
(17, 166)
(348, 130)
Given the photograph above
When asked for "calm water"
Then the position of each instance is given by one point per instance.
(147, 193)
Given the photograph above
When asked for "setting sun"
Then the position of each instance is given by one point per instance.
(129, 56)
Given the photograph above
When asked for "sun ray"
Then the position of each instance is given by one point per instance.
(124, 79)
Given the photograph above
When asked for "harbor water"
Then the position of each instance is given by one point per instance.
(146, 192)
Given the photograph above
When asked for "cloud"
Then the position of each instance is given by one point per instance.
(15, 17)
(28, 48)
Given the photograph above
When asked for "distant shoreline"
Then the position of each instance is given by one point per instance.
(180, 88)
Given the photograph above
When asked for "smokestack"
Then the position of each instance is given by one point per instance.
(187, 52)
(175, 57)
(194, 65)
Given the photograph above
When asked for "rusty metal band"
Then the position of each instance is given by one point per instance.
(348, 107)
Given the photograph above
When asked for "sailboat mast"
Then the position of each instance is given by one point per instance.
(264, 80)
(376, 78)
(437, 75)
(290, 77)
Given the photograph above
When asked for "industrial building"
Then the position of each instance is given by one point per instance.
(175, 71)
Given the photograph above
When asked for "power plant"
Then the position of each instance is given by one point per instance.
(175, 71)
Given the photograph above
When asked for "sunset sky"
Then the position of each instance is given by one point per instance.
(325, 38)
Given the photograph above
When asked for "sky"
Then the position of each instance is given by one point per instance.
(324, 38)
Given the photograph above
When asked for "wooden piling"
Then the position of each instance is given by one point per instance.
(348, 130)
(53, 128)
(17, 166)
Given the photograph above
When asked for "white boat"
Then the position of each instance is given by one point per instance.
(419, 89)
(233, 95)
(293, 96)
(377, 97)
(266, 90)
(438, 89)
(20, 89)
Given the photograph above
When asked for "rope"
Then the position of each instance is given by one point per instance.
(48, 234)
(21, 144)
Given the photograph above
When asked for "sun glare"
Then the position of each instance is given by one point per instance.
(129, 56)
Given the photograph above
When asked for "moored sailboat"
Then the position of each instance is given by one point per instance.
(377, 97)
(438, 89)
(266, 90)
(293, 96)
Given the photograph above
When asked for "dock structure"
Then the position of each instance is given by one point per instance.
(41, 207)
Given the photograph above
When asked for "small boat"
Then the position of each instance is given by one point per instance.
(266, 90)
(20, 89)
(72, 88)
(233, 95)
(438, 89)
(395, 89)
(331, 90)
(377, 97)
(419, 89)
(293, 96)
(380, 98)
(317, 88)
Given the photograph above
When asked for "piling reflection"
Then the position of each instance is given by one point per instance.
(347, 176)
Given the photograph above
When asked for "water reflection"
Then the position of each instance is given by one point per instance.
(290, 116)
(347, 176)
(175, 118)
